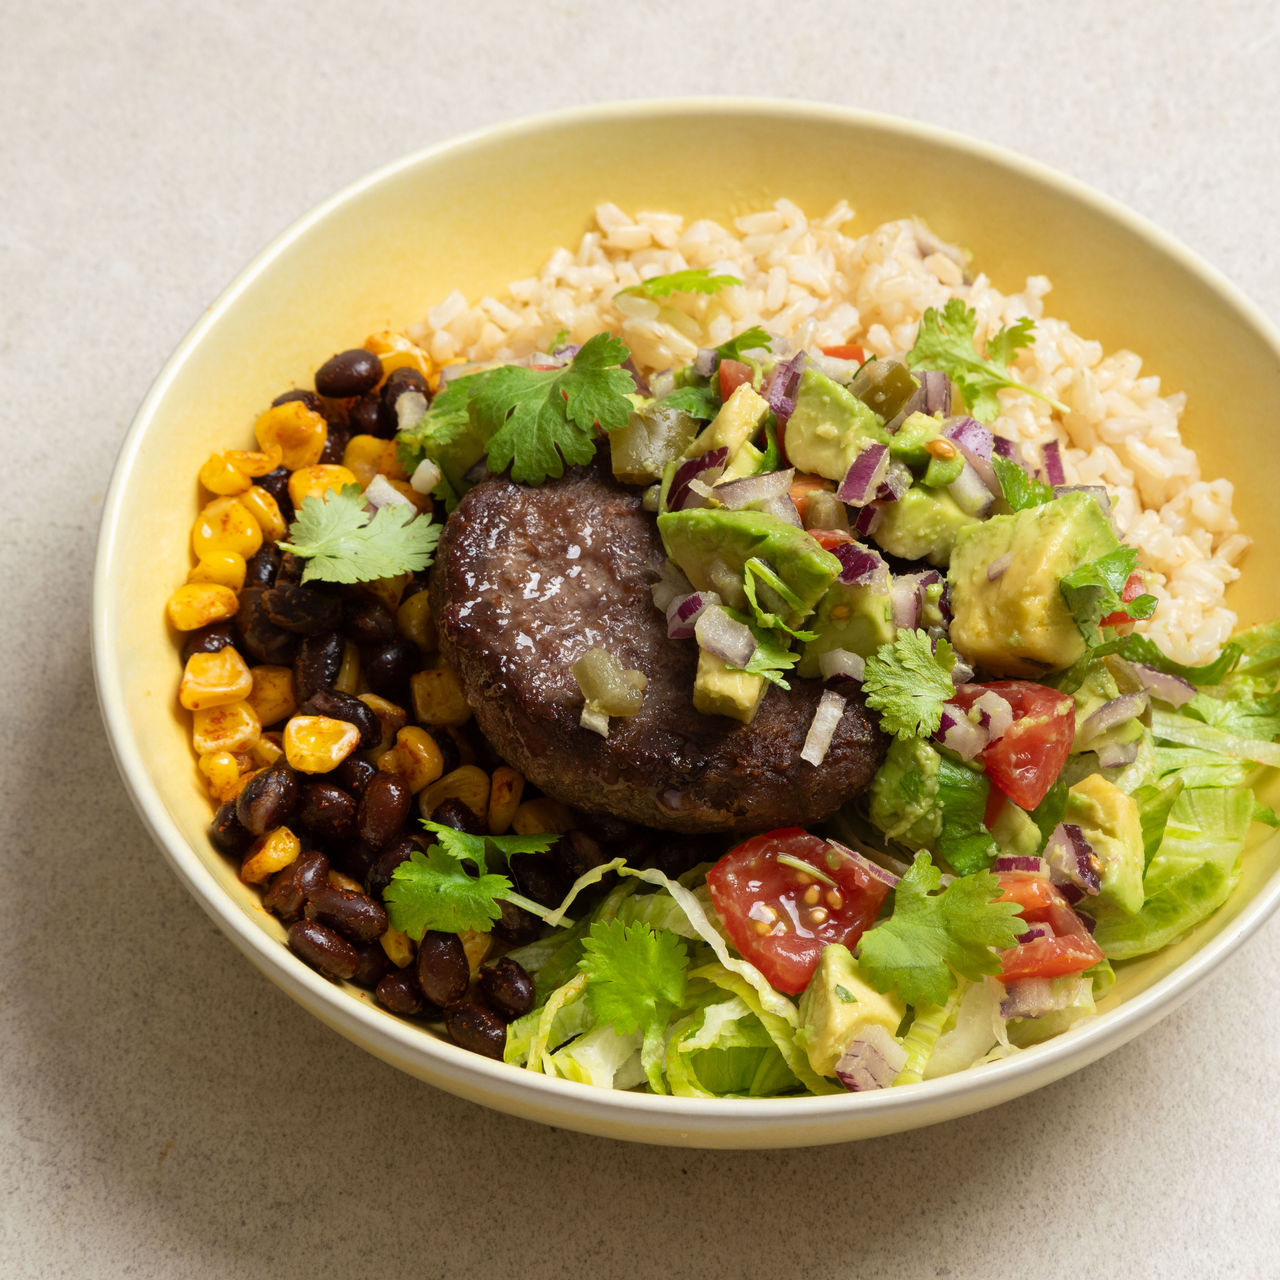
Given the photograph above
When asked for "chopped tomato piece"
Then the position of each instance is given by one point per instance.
(1049, 957)
(780, 916)
(1132, 590)
(803, 485)
(1024, 761)
(733, 373)
(829, 539)
(996, 801)
(845, 351)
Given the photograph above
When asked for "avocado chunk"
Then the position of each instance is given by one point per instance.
(837, 1004)
(1110, 822)
(740, 417)
(829, 427)
(712, 545)
(857, 617)
(721, 690)
(907, 444)
(904, 793)
(1018, 624)
(1015, 832)
(922, 525)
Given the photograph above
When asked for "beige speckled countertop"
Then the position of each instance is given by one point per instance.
(165, 1111)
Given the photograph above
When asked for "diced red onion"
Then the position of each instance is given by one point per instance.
(1160, 684)
(822, 729)
(866, 520)
(708, 467)
(995, 714)
(1020, 862)
(1051, 452)
(755, 491)
(896, 482)
(780, 387)
(914, 404)
(1072, 860)
(935, 389)
(904, 596)
(1087, 920)
(1095, 491)
(974, 442)
(1128, 706)
(842, 662)
(672, 583)
(683, 611)
(724, 636)
(704, 363)
(971, 492)
(873, 869)
(1007, 449)
(861, 565)
(1115, 755)
(872, 1061)
(1027, 997)
(662, 384)
(958, 733)
(865, 475)
(998, 567)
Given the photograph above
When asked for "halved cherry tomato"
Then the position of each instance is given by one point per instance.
(1024, 761)
(845, 351)
(1071, 949)
(733, 373)
(779, 917)
(1132, 590)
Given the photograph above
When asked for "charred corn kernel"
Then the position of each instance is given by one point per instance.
(438, 698)
(348, 680)
(392, 718)
(466, 783)
(223, 774)
(214, 680)
(389, 462)
(399, 352)
(226, 524)
(268, 750)
(398, 946)
(252, 463)
(340, 881)
(272, 694)
(226, 568)
(476, 945)
(318, 744)
(414, 619)
(298, 432)
(505, 790)
(389, 590)
(199, 603)
(233, 727)
(221, 476)
(266, 510)
(415, 759)
(362, 456)
(315, 482)
(542, 814)
(268, 854)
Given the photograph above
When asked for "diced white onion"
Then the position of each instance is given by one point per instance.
(817, 741)
(842, 662)
(426, 475)
(380, 492)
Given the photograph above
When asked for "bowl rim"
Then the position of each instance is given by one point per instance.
(454, 1068)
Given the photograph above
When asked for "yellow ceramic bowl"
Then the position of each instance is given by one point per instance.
(487, 209)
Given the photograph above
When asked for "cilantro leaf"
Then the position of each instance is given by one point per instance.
(433, 891)
(536, 420)
(340, 543)
(772, 655)
(907, 682)
(1093, 591)
(694, 280)
(1139, 649)
(756, 568)
(1020, 490)
(931, 938)
(635, 975)
(702, 403)
(753, 339)
(445, 435)
(945, 341)
(478, 850)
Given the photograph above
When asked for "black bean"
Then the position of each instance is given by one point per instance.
(398, 382)
(474, 1027)
(210, 639)
(388, 860)
(305, 611)
(459, 815)
(260, 638)
(323, 949)
(354, 915)
(261, 568)
(335, 444)
(443, 974)
(383, 809)
(515, 926)
(228, 833)
(507, 988)
(268, 799)
(369, 417)
(374, 965)
(537, 876)
(349, 373)
(289, 888)
(327, 811)
(399, 992)
(354, 857)
(309, 398)
(291, 568)
(345, 706)
(387, 668)
(450, 752)
(317, 665)
(353, 775)
(368, 621)
(276, 483)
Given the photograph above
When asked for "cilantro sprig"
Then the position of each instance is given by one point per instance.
(695, 280)
(772, 656)
(341, 543)
(754, 569)
(907, 682)
(752, 339)
(1093, 592)
(635, 975)
(1019, 489)
(933, 938)
(945, 341)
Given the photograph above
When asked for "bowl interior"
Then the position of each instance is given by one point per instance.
(476, 214)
